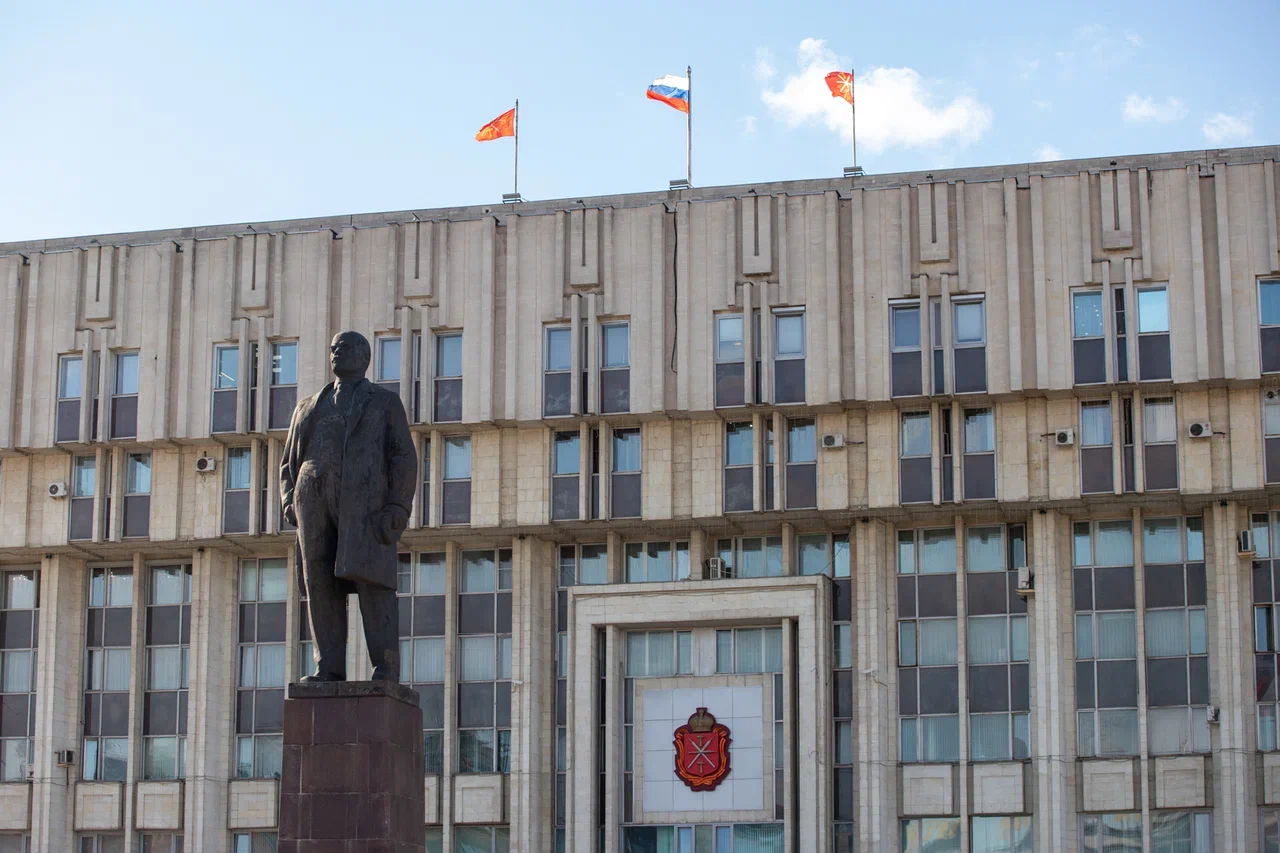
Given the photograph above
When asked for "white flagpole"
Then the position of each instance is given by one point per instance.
(688, 155)
(854, 112)
(515, 184)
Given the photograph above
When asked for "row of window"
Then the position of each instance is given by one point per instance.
(1171, 832)
(154, 842)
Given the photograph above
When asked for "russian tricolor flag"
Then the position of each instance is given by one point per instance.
(672, 91)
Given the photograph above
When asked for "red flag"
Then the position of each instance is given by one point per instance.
(841, 85)
(503, 125)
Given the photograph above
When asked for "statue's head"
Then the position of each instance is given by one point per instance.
(349, 355)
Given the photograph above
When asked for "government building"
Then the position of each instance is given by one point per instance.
(917, 513)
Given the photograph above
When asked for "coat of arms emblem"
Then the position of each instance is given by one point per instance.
(702, 751)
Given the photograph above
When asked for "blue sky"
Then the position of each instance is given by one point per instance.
(127, 116)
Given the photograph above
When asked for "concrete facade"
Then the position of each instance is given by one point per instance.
(843, 253)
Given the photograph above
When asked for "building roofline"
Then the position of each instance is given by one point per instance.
(1022, 172)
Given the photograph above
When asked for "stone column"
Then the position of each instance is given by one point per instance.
(1050, 614)
(876, 685)
(533, 629)
(211, 698)
(59, 675)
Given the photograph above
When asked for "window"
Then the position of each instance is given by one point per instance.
(422, 588)
(1128, 452)
(1176, 641)
(624, 486)
(1270, 834)
(749, 650)
(264, 588)
(124, 396)
(1266, 628)
(947, 447)
(928, 676)
(586, 564)
(101, 844)
(579, 564)
(768, 465)
(905, 366)
(823, 554)
(751, 556)
(788, 356)
(235, 494)
(939, 352)
(739, 468)
(730, 361)
(802, 464)
(915, 466)
(70, 389)
(19, 609)
(168, 635)
(657, 561)
(424, 495)
(1271, 435)
(615, 368)
(1160, 444)
(1096, 474)
(1106, 638)
(253, 842)
(556, 376)
(484, 662)
(1002, 835)
(1122, 339)
(658, 653)
(108, 643)
(137, 495)
(226, 379)
(1269, 323)
(1153, 334)
(1111, 833)
(843, 806)
(284, 384)
(448, 380)
(456, 499)
(388, 367)
(979, 463)
(1088, 332)
(997, 647)
(481, 839)
(969, 342)
(83, 485)
(161, 842)
(931, 835)
(566, 460)
(1178, 831)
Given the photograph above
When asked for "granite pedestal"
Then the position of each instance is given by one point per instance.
(352, 776)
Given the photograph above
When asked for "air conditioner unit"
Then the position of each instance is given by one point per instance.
(205, 464)
(717, 568)
(1026, 582)
(831, 441)
(1212, 714)
(65, 758)
(57, 490)
(1200, 429)
(1244, 543)
(1064, 437)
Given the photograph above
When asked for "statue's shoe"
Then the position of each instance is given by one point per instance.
(320, 679)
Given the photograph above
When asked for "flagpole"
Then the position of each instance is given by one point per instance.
(688, 137)
(853, 110)
(515, 183)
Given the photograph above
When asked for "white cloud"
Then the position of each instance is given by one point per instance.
(1040, 105)
(1047, 152)
(1134, 39)
(764, 68)
(1029, 68)
(896, 106)
(1137, 108)
(748, 125)
(1221, 127)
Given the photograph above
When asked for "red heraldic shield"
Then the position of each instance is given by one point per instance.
(702, 751)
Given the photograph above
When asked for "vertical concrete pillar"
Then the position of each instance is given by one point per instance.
(211, 698)
(875, 694)
(533, 629)
(58, 679)
(1049, 612)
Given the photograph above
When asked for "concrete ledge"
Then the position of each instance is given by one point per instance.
(998, 788)
(1179, 782)
(157, 805)
(253, 803)
(479, 798)
(99, 805)
(1270, 778)
(928, 789)
(1108, 785)
(431, 799)
(15, 806)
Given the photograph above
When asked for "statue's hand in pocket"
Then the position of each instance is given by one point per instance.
(390, 524)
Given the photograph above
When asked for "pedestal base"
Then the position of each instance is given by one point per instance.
(352, 777)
